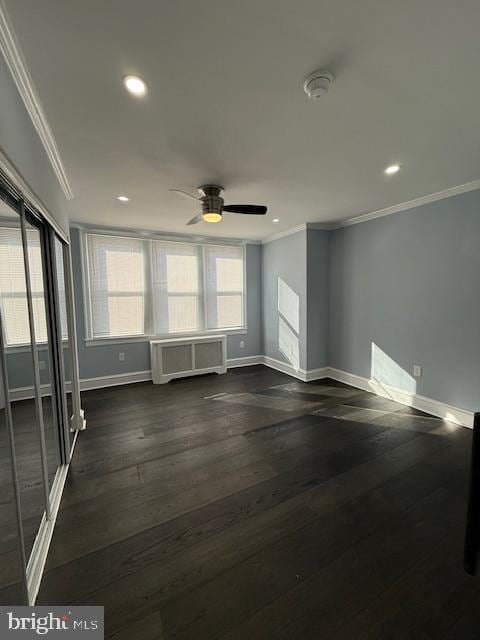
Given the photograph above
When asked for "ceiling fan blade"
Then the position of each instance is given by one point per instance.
(196, 219)
(250, 209)
(184, 194)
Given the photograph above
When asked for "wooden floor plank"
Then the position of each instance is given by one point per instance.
(277, 509)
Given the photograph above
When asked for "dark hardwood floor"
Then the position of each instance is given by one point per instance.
(253, 506)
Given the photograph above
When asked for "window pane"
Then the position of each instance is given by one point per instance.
(224, 274)
(176, 270)
(229, 311)
(182, 313)
(125, 315)
(117, 287)
(229, 274)
(124, 269)
(182, 274)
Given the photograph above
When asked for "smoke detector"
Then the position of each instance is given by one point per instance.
(317, 84)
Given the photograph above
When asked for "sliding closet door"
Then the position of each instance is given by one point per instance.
(12, 560)
(21, 477)
(36, 238)
(23, 314)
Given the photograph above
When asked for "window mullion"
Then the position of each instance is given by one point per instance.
(202, 298)
(148, 325)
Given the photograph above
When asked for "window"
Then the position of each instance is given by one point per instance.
(117, 286)
(146, 287)
(176, 287)
(13, 295)
(224, 267)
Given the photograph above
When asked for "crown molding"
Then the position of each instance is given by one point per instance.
(319, 226)
(21, 185)
(10, 48)
(149, 234)
(411, 204)
(283, 234)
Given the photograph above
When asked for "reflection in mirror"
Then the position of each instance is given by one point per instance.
(11, 567)
(10, 559)
(27, 368)
(42, 341)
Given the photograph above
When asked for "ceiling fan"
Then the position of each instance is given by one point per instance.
(213, 204)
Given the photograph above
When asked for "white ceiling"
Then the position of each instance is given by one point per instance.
(226, 104)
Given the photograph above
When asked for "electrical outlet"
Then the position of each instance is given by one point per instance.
(417, 371)
(242, 344)
(121, 356)
(41, 365)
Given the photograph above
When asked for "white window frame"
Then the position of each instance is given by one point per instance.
(150, 334)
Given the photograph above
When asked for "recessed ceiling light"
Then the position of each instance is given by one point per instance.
(135, 85)
(392, 169)
(123, 198)
(276, 220)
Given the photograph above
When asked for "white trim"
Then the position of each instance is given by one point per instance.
(115, 380)
(41, 545)
(27, 393)
(98, 342)
(168, 236)
(380, 213)
(245, 361)
(316, 374)
(300, 374)
(21, 185)
(286, 232)
(411, 204)
(319, 226)
(422, 403)
(10, 47)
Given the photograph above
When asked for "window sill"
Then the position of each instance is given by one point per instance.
(97, 342)
(26, 348)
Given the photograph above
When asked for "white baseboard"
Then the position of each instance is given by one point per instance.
(115, 380)
(316, 374)
(422, 403)
(300, 374)
(247, 361)
(27, 393)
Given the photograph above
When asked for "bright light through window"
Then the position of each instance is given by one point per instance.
(156, 287)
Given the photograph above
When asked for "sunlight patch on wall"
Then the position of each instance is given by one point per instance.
(288, 343)
(289, 305)
(385, 371)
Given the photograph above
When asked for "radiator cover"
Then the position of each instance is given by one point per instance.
(182, 357)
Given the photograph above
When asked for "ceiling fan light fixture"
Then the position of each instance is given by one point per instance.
(212, 216)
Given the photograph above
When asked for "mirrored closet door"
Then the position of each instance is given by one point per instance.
(36, 407)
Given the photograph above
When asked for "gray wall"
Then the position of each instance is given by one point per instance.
(102, 360)
(410, 283)
(284, 259)
(318, 264)
(20, 143)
